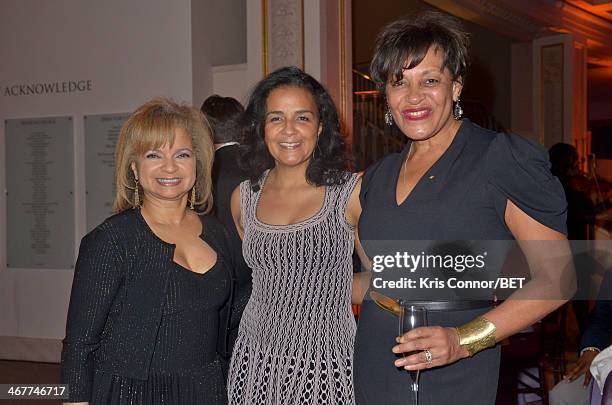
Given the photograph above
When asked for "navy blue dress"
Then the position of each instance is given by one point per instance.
(461, 197)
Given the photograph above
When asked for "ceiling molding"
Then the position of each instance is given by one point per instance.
(525, 20)
(493, 15)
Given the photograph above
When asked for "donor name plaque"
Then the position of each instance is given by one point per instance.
(101, 133)
(40, 196)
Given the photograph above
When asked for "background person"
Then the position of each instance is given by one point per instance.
(224, 115)
(580, 208)
(575, 387)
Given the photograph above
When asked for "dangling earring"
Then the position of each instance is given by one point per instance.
(192, 199)
(457, 110)
(388, 117)
(136, 193)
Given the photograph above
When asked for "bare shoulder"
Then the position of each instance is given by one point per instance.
(353, 207)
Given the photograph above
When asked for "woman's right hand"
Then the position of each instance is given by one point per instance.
(441, 342)
(582, 367)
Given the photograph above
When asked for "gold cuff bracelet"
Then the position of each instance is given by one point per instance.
(477, 335)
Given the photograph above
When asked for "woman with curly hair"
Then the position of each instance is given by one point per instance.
(297, 216)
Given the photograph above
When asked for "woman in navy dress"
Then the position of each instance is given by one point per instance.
(454, 181)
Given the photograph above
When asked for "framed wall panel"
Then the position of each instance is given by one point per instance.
(40, 194)
(101, 134)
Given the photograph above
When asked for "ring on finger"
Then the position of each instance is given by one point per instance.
(428, 356)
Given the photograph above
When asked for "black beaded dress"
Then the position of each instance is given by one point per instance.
(462, 197)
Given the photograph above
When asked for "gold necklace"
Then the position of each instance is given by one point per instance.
(405, 163)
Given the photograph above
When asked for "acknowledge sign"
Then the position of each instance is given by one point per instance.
(40, 199)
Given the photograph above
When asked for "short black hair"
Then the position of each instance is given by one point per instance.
(329, 162)
(223, 114)
(409, 39)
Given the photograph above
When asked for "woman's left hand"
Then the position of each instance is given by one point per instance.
(441, 342)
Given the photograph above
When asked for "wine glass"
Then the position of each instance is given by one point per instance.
(412, 317)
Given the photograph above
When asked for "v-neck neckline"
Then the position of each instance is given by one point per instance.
(202, 236)
(455, 145)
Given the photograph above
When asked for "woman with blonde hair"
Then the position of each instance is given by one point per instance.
(150, 281)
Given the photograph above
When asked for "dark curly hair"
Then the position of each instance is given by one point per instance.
(329, 162)
(409, 39)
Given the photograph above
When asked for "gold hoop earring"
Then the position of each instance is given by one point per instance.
(192, 198)
(136, 194)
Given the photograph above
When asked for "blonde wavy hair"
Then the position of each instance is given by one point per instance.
(152, 126)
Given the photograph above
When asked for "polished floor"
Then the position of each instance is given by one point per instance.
(23, 372)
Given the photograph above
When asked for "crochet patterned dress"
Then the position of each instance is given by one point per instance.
(296, 337)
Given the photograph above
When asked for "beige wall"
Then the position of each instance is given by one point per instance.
(231, 81)
(228, 29)
(132, 51)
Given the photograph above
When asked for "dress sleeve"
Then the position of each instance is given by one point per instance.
(519, 171)
(221, 243)
(366, 180)
(98, 276)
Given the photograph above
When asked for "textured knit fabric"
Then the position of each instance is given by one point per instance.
(131, 324)
(296, 336)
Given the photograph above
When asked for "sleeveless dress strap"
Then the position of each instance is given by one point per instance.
(246, 198)
(342, 195)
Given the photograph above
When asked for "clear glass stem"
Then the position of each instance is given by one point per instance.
(414, 387)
